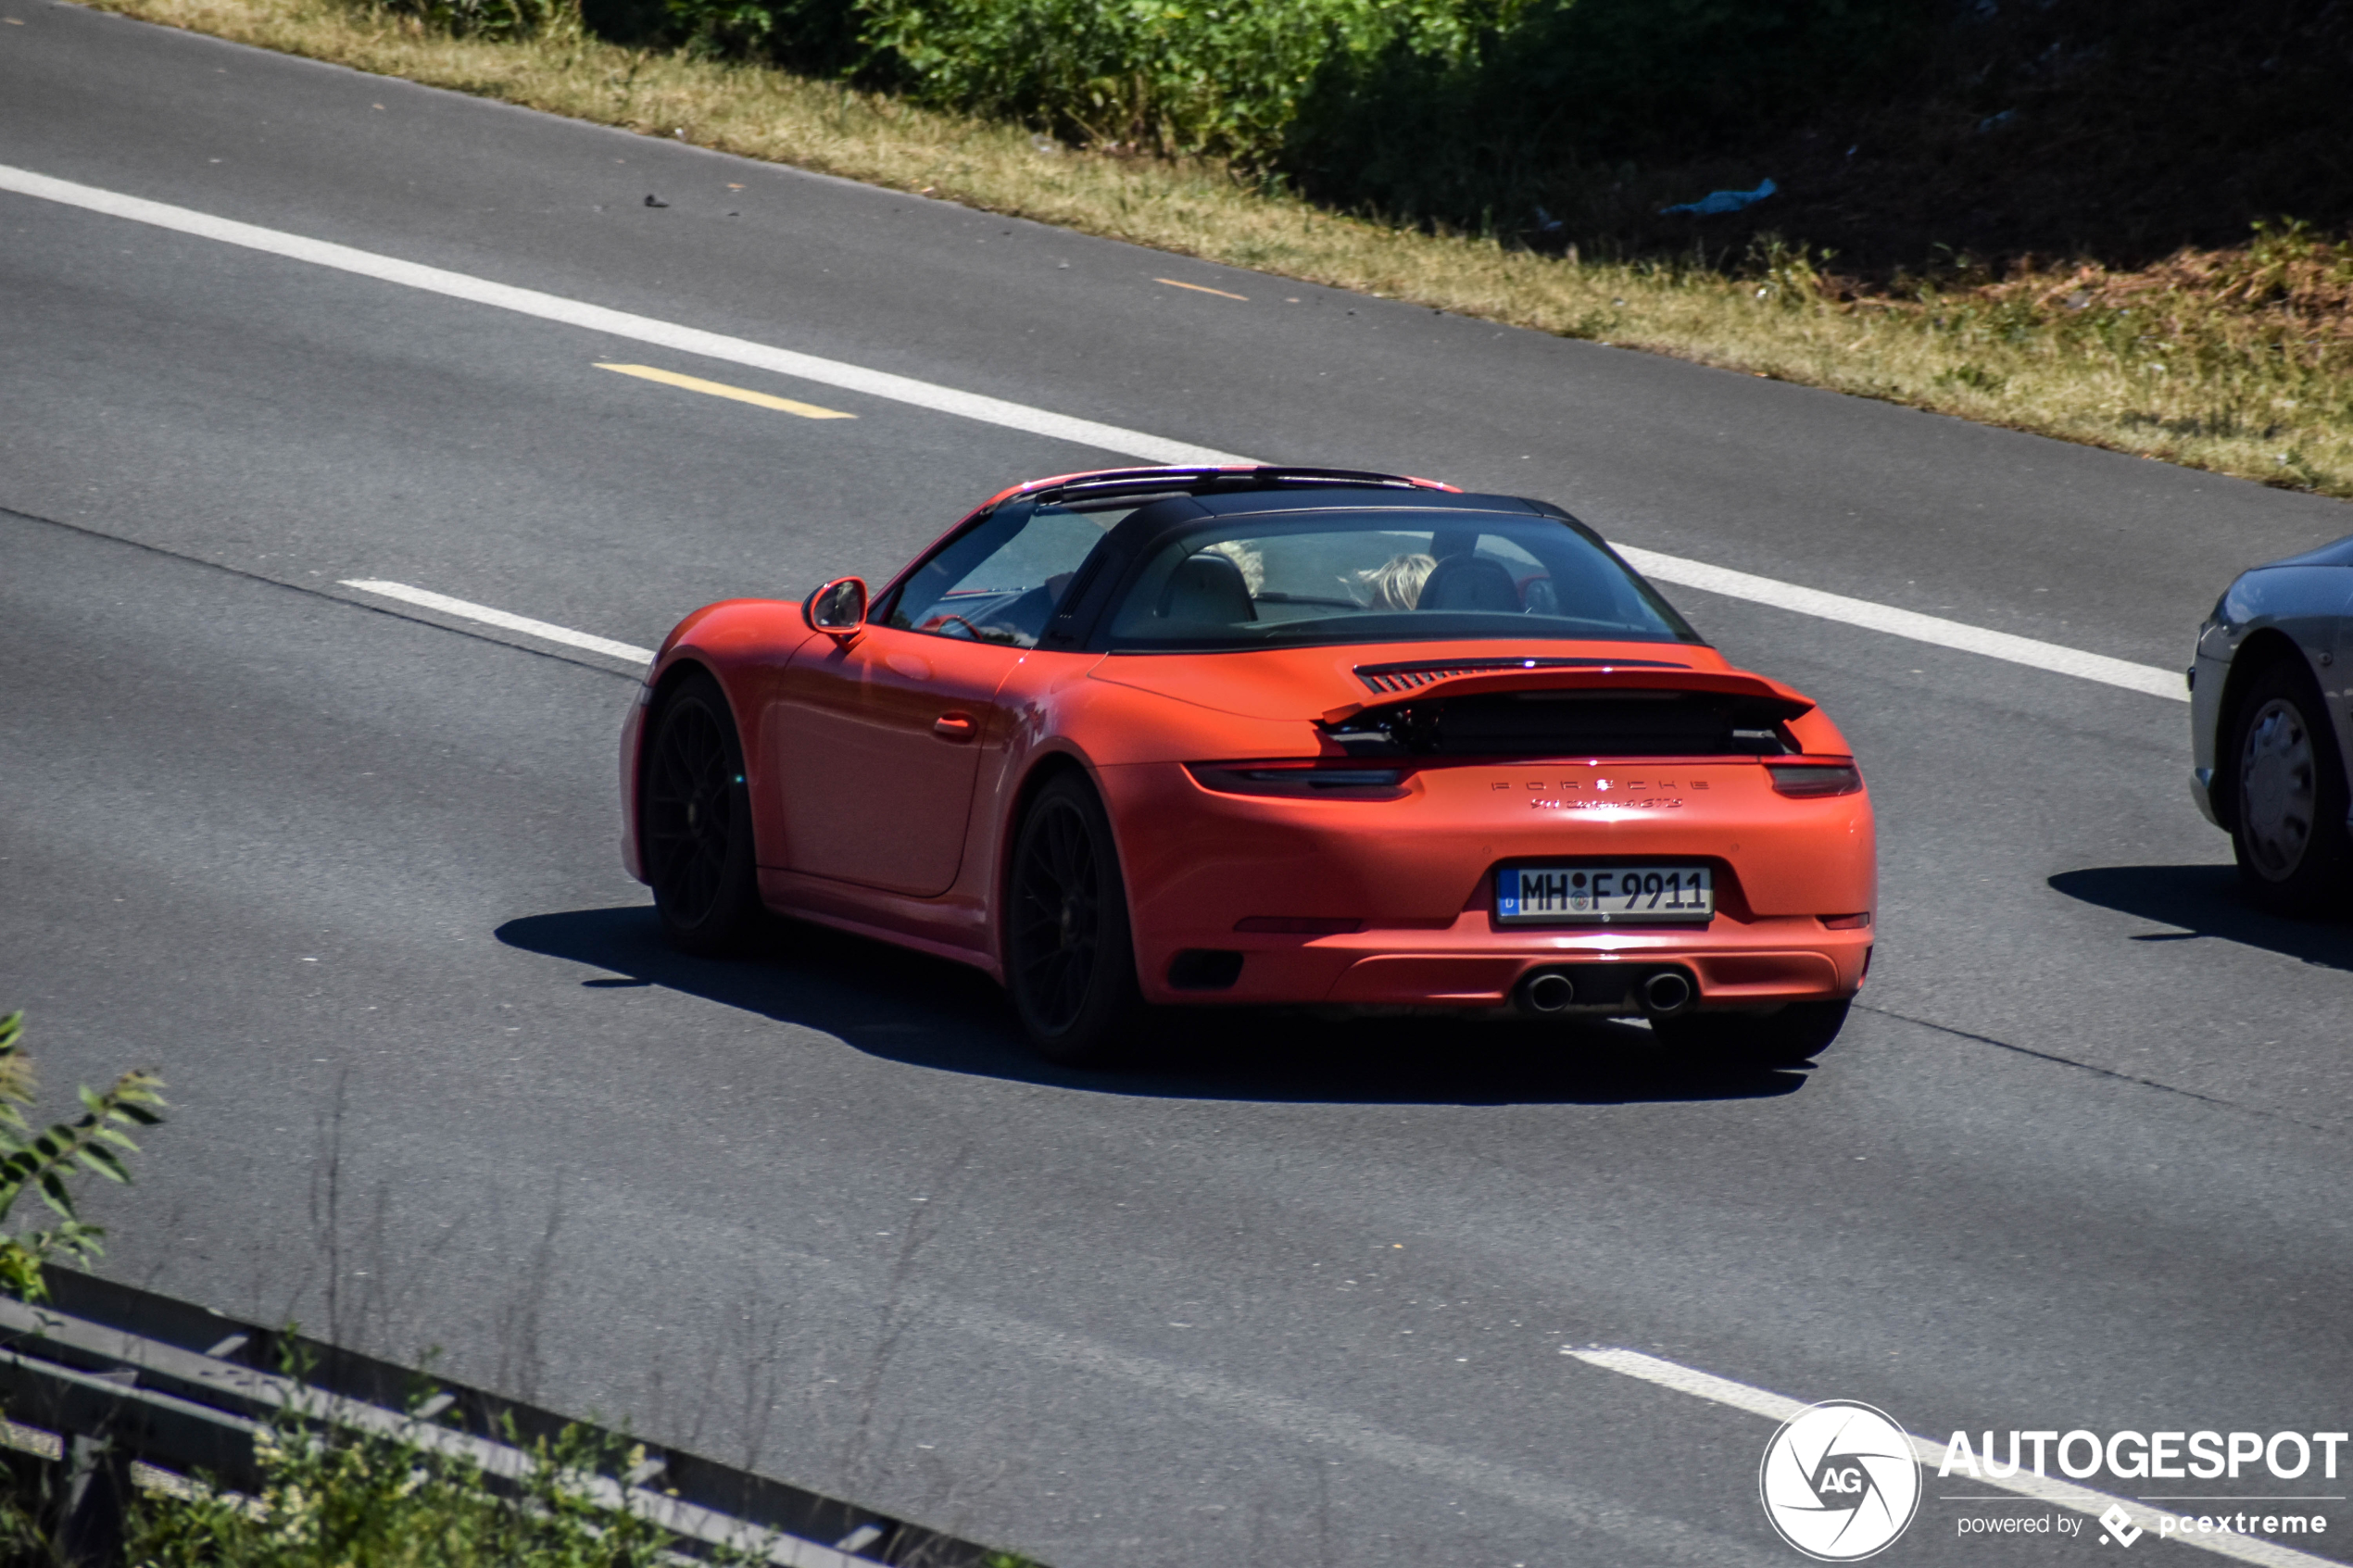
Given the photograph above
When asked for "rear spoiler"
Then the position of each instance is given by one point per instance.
(1787, 703)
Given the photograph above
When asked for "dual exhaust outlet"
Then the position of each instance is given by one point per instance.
(1662, 993)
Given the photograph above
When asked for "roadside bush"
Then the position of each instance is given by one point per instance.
(344, 1499)
(1227, 78)
(497, 20)
(46, 1163)
(1567, 101)
(1431, 108)
(818, 36)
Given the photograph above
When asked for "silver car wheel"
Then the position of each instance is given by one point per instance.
(2278, 789)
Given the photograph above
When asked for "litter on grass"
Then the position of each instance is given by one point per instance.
(1722, 201)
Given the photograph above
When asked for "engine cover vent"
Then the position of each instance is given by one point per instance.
(1498, 725)
(1392, 679)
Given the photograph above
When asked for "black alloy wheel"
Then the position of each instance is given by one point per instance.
(1070, 959)
(1789, 1037)
(696, 816)
(2288, 796)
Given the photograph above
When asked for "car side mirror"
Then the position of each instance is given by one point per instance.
(839, 608)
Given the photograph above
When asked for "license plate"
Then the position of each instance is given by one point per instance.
(1603, 894)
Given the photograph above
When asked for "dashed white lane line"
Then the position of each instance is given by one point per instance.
(2028, 651)
(2041, 1489)
(467, 610)
(614, 323)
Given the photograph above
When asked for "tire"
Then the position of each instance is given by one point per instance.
(1789, 1037)
(694, 816)
(2288, 797)
(1070, 957)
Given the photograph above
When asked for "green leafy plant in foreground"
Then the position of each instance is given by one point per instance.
(48, 1161)
(417, 1494)
(406, 1498)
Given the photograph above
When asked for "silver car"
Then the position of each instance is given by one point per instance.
(2272, 727)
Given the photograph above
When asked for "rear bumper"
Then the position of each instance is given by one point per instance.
(1732, 964)
(1416, 872)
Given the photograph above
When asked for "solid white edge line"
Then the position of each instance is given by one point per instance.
(2041, 1489)
(2031, 651)
(468, 610)
(1039, 421)
(616, 323)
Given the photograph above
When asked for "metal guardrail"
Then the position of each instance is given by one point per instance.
(105, 1374)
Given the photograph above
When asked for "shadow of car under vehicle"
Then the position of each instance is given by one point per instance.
(928, 1012)
(2207, 902)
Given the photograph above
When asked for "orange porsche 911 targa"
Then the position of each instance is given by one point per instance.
(1184, 737)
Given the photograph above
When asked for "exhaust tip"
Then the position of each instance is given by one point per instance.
(1666, 992)
(1550, 992)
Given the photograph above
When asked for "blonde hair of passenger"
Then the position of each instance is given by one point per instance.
(1252, 562)
(1396, 583)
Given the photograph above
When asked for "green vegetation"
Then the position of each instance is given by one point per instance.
(344, 1498)
(2115, 130)
(410, 1495)
(46, 1163)
(339, 1487)
(2039, 217)
(1229, 78)
(1468, 111)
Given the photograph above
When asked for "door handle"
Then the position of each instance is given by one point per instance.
(955, 726)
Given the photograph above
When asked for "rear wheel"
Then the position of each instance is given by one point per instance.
(1071, 960)
(696, 816)
(2288, 823)
(1789, 1037)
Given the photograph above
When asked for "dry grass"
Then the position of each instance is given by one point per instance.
(2240, 362)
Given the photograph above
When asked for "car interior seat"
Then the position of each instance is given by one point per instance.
(1207, 587)
(1470, 583)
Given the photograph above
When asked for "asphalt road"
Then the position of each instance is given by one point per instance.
(1294, 1294)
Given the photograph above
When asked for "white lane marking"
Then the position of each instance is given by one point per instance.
(466, 610)
(2042, 1489)
(616, 323)
(1919, 628)
(1039, 421)
(1540, 1487)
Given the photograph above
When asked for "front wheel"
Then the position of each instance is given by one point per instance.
(1070, 957)
(696, 816)
(1787, 1037)
(2288, 827)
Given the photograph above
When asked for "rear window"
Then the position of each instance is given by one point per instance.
(1382, 577)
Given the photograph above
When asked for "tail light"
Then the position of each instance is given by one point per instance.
(1806, 780)
(1301, 781)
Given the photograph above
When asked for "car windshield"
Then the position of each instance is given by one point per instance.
(1377, 577)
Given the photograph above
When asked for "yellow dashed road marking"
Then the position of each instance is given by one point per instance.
(720, 389)
(1203, 288)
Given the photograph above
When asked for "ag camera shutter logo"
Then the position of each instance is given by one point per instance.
(1839, 1481)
